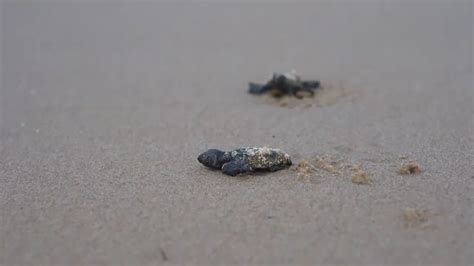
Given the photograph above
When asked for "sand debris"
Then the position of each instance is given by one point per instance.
(409, 168)
(329, 164)
(304, 168)
(415, 217)
(361, 177)
(334, 166)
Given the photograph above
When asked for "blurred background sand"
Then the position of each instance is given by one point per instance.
(105, 107)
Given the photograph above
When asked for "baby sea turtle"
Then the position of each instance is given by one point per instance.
(245, 160)
(285, 84)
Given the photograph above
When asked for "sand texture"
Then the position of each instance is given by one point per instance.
(105, 108)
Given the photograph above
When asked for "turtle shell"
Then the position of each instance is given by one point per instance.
(263, 158)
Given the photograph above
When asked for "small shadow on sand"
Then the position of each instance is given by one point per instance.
(164, 256)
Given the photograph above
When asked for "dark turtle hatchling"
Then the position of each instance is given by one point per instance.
(245, 160)
(285, 84)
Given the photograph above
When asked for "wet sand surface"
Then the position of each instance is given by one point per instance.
(105, 107)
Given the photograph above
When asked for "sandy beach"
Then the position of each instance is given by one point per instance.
(106, 106)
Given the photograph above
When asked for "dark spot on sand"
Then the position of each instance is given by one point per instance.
(164, 257)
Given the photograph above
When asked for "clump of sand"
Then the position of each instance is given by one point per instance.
(305, 171)
(415, 217)
(409, 168)
(329, 164)
(304, 168)
(334, 166)
(361, 177)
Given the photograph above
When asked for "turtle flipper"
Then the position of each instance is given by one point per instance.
(236, 167)
(310, 85)
(255, 88)
(306, 89)
(278, 167)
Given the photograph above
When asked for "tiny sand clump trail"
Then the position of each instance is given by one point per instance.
(327, 164)
(324, 165)
(321, 165)
(305, 170)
